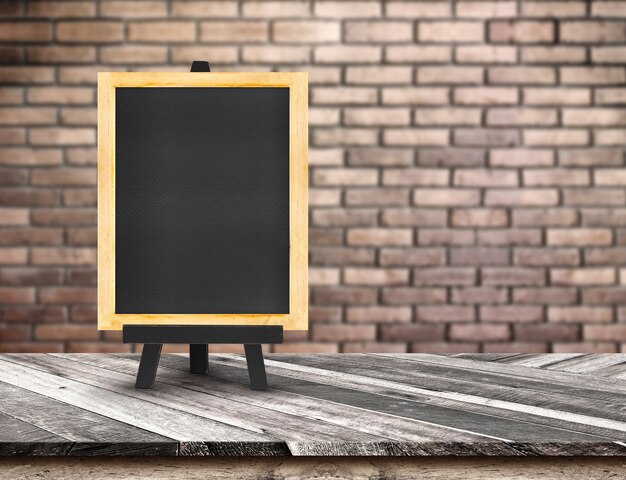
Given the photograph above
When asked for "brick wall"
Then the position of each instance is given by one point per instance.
(467, 164)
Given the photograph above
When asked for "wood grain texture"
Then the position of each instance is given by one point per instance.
(297, 82)
(378, 405)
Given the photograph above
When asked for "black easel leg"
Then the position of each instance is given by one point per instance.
(198, 358)
(256, 366)
(148, 365)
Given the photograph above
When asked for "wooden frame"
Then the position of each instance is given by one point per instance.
(297, 318)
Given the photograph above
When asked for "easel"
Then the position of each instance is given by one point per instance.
(199, 336)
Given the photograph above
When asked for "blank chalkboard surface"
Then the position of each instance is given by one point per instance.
(202, 200)
(202, 203)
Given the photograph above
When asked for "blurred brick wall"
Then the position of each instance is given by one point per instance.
(467, 164)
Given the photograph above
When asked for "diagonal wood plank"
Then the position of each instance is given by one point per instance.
(21, 438)
(162, 420)
(336, 386)
(547, 376)
(518, 391)
(230, 411)
(300, 405)
(488, 406)
(90, 434)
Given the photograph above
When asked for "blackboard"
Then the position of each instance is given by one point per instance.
(203, 198)
(202, 203)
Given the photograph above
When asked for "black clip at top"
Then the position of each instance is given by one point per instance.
(199, 66)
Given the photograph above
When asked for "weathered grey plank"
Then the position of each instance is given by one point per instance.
(88, 433)
(336, 387)
(302, 406)
(162, 420)
(230, 411)
(538, 360)
(502, 418)
(589, 364)
(21, 438)
(520, 393)
(599, 384)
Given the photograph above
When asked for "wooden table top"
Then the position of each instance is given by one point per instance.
(331, 405)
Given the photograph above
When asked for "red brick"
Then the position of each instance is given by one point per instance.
(594, 197)
(344, 217)
(486, 9)
(592, 75)
(580, 314)
(162, 31)
(384, 157)
(331, 332)
(451, 157)
(31, 276)
(376, 276)
(501, 237)
(33, 314)
(479, 256)
(134, 8)
(604, 296)
(234, 31)
(13, 295)
(413, 257)
(379, 236)
(414, 96)
(545, 217)
(27, 116)
(13, 256)
(479, 295)
(409, 217)
(427, 9)
(544, 296)
(133, 54)
(67, 216)
(31, 236)
(445, 314)
(60, 9)
(486, 54)
(486, 137)
(343, 296)
(516, 347)
(25, 32)
(378, 32)
(511, 313)
(479, 332)
(411, 296)
(445, 237)
(546, 256)
(592, 32)
(61, 54)
(451, 31)
(417, 54)
(513, 276)
(521, 75)
(513, 31)
(90, 31)
(66, 332)
(378, 314)
(522, 197)
(444, 276)
(479, 217)
(413, 332)
(267, 9)
(342, 256)
(579, 237)
(485, 95)
(291, 31)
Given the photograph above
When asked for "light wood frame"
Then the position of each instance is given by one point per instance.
(297, 318)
